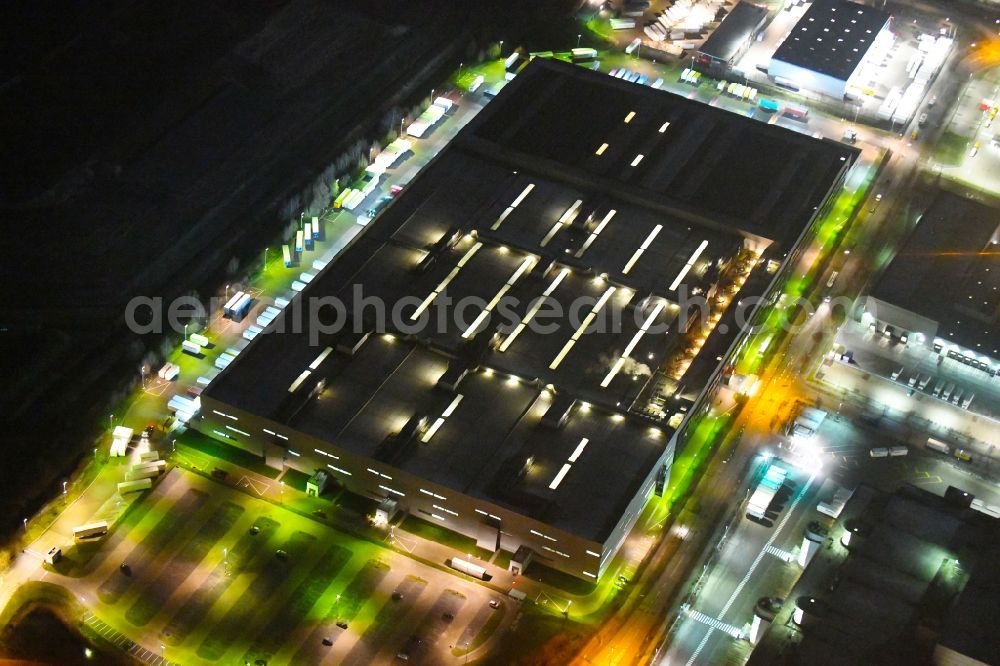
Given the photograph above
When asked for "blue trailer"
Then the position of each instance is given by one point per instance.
(768, 105)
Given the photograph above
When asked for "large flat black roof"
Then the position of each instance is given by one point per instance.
(708, 165)
(832, 37)
(948, 270)
(736, 29)
(519, 211)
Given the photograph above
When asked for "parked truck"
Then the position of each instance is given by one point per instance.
(807, 422)
(134, 486)
(835, 501)
(91, 530)
(469, 568)
(938, 445)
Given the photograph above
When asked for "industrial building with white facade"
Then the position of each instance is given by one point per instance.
(542, 408)
(829, 47)
(942, 290)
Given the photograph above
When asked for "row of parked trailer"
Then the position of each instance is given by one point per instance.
(943, 389)
(237, 307)
(657, 32)
(738, 90)
(630, 76)
(184, 407)
(691, 76)
(121, 436)
(430, 117)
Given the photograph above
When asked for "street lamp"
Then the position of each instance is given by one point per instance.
(265, 259)
(185, 331)
(25, 521)
(64, 487)
(227, 293)
(501, 48)
(578, 40)
(111, 423)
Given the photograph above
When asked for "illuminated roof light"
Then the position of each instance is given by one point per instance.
(298, 381)
(319, 359)
(601, 149)
(444, 283)
(559, 477)
(579, 449)
(583, 327)
(638, 158)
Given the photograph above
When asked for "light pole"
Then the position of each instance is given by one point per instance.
(578, 40)
(185, 331)
(25, 521)
(64, 487)
(227, 293)
(265, 259)
(500, 50)
(111, 423)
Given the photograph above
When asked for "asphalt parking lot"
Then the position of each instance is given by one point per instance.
(217, 577)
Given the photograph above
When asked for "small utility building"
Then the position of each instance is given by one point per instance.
(727, 43)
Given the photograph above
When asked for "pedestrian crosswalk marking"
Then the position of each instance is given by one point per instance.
(698, 616)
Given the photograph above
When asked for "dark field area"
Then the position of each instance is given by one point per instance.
(42, 637)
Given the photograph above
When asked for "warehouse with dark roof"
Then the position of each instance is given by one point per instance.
(732, 38)
(942, 290)
(505, 350)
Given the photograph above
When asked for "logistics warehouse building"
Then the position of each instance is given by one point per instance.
(498, 416)
(829, 46)
(942, 290)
